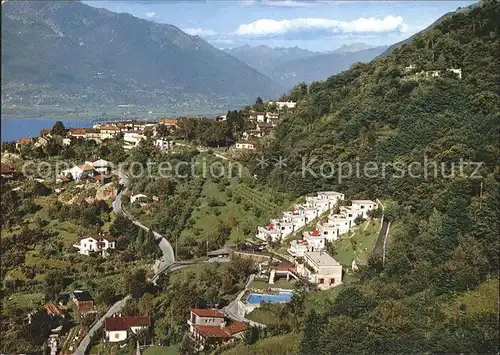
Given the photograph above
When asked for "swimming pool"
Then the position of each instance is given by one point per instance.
(256, 298)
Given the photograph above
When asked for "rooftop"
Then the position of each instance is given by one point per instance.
(52, 309)
(215, 331)
(363, 201)
(125, 323)
(93, 158)
(321, 258)
(334, 193)
(86, 167)
(202, 312)
(82, 296)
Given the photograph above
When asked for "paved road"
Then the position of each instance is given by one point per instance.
(164, 264)
(82, 347)
(168, 256)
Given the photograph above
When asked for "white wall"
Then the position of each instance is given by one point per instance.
(116, 336)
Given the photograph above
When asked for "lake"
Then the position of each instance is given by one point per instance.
(15, 128)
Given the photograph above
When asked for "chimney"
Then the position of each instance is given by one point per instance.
(223, 324)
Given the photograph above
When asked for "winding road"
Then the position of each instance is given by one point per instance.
(165, 264)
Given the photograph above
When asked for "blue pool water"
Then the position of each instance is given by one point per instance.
(256, 298)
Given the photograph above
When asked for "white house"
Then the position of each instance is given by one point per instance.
(298, 220)
(363, 206)
(321, 269)
(164, 144)
(269, 232)
(285, 228)
(245, 146)
(99, 165)
(221, 118)
(456, 71)
(260, 116)
(341, 222)
(272, 116)
(132, 139)
(350, 213)
(66, 141)
(78, 172)
(208, 327)
(321, 205)
(281, 104)
(117, 328)
(333, 196)
(298, 248)
(202, 316)
(310, 213)
(134, 198)
(329, 231)
(100, 243)
(315, 240)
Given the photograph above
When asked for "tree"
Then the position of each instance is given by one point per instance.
(53, 283)
(58, 129)
(146, 303)
(349, 302)
(136, 283)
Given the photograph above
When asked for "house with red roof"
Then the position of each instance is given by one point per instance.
(119, 328)
(169, 122)
(22, 141)
(78, 133)
(208, 328)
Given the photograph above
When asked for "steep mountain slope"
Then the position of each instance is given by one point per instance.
(428, 149)
(71, 53)
(439, 20)
(265, 59)
(320, 66)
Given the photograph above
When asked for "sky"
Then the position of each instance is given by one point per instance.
(313, 25)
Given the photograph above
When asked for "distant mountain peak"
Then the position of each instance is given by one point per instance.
(353, 47)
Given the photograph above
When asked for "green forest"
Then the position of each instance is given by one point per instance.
(448, 246)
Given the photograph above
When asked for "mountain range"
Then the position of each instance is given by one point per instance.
(72, 57)
(290, 66)
(69, 53)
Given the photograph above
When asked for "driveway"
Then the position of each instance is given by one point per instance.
(168, 256)
(82, 347)
(164, 264)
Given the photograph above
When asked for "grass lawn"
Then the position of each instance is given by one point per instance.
(284, 284)
(23, 300)
(68, 231)
(162, 350)
(32, 259)
(236, 202)
(261, 284)
(279, 345)
(483, 298)
(265, 314)
(358, 245)
(318, 300)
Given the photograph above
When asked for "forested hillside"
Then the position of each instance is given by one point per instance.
(448, 243)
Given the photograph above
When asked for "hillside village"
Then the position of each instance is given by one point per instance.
(97, 260)
(306, 228)
(258, 125)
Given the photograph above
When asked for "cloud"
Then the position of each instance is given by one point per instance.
(268, 27)
(199, 32)
(150, 14)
